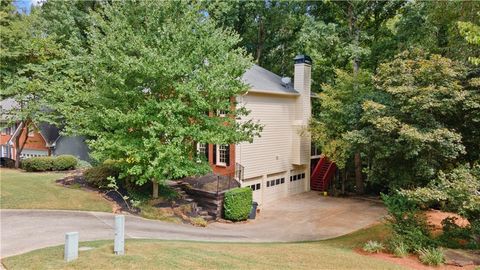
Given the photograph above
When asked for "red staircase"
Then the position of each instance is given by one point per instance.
(322, 174)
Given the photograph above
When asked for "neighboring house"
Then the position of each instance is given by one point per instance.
(278, 163)
(43, 140)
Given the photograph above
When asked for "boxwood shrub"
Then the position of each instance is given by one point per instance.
(238, 203)
(38, 164)
(64, 162)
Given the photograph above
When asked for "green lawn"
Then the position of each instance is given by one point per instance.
(22, 190)
(156, 254)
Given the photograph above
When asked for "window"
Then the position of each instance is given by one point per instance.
(276, 182)
(221, 113)
(201, 149)
(315, 150)
(255, 187)
(222, 154)
(31, 133)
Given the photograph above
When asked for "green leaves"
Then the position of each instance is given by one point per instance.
(154, 75)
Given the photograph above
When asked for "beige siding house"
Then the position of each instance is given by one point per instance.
(277, 164)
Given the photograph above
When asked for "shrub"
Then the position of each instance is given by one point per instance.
(82, 164)
(408, 222)
(431, 256)
(38, 164)
(97, 176)
(238, 203)
(64, 162)
(373, 247)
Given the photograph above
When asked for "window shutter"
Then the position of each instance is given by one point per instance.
(214, 154)
(206, 150)
(227, 161)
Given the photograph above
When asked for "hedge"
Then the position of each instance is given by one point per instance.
(64, 162)
(38, 164)
(238, 203)
(41, 164)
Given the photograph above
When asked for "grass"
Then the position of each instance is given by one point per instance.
(431, 256)
(27, 190)
(373, 247)
(356, 240)
(150, 212)
(156, 254)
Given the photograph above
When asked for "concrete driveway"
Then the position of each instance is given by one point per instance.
(303, 217)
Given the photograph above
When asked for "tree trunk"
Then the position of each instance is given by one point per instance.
(17, 152)
(19, 146)
(155, 189)
(358, 174)
(344, 180)
(355, 35)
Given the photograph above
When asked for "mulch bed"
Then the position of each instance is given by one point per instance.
(75, 179)
(412, 262)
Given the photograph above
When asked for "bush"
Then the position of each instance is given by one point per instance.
(408, 222)
(38, 164)
(431, 256)
(97, 176)
(238, 203)
(64, 162)
(82, 164)
(373, 247)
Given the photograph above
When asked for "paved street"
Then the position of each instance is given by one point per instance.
(302, 217)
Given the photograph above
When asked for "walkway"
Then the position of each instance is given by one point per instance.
(302, 217)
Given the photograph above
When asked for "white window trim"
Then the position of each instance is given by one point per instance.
(199, 150)
(221, 113)
(219, 163)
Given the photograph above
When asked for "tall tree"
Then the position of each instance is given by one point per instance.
(28, 73)
(410, 133)
(269, 29)
(152, 73)
(363, 20)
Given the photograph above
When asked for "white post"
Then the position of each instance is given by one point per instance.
(119, 244)
(71, 246)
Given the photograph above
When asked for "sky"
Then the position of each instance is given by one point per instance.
(25, 6)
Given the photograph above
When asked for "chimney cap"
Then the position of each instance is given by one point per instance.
(302, 59)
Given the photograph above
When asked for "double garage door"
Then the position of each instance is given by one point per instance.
(277, 186)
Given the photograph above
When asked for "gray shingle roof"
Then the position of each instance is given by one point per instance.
(264, 81)
(6, 105)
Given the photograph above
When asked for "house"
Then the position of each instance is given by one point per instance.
(278, 163)
(43, 140)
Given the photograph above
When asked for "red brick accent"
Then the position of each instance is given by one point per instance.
(222, 169)
(35, 142)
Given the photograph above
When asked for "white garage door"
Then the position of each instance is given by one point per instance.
(296, 182)
(275, 188)
(256, 190)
